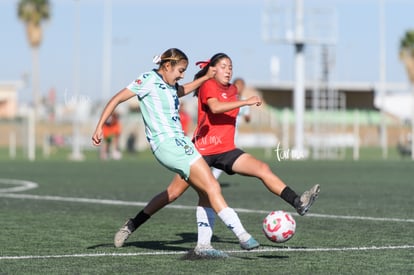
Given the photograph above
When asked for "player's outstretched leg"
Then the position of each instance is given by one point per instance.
(306, 200)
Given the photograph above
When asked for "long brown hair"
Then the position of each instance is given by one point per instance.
(207, 64)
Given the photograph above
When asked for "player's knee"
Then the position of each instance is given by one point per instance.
(263, 170)
(213, 188)
(173, 195)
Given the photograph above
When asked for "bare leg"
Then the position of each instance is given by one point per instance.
(207, 186)
(247, 165)
(176, 188)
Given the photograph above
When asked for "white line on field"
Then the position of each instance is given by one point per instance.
(25, 185)
(265, 250)
(22, 185)
(131, 203)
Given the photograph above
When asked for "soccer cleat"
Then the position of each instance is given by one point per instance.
(208, 251)
(124, 232)
(249, 244)
(307, 199)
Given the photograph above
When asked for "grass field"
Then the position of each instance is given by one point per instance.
(362, 223)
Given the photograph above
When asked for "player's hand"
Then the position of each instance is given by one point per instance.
(254, 100)
(211, 72)
(97, 138)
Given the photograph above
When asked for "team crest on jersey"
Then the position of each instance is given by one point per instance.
(138, 81)
(224, 95)
(188, 150)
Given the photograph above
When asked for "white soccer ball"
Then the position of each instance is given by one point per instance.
(279, 226)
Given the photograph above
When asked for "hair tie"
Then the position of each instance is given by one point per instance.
(202, 64)
(156, 59)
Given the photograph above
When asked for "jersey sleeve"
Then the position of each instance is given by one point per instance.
(206, 91)
(140, 85)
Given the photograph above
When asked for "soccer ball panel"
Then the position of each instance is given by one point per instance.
(279, 226)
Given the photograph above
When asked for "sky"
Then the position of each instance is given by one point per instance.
(72, 60)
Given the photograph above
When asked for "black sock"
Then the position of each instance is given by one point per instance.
(140, 218)
(290, 196)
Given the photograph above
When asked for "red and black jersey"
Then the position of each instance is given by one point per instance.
(215, 132)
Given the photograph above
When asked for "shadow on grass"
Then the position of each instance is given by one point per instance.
(272, 257)
(190, 238)
(174, 245)
(225, 184)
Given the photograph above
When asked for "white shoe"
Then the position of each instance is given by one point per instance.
(123, 234)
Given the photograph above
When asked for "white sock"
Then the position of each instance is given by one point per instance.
(232, 221)
(205, 225)
(216, 172)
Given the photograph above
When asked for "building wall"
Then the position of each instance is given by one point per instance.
(8, 100)
(283, 98)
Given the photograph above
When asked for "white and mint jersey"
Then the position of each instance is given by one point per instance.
(159, 106)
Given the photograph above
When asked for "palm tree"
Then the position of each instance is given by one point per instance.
(407, 53)
(407, 57)
(33, 13)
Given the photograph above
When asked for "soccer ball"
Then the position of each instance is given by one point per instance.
(279, 226)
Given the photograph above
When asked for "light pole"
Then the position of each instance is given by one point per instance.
(106, 57)
(76, 150)
(299, 39)
(382, 84)
(299, 93)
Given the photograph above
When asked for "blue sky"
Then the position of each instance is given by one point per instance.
(142, 29)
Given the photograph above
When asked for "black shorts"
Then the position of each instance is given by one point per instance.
(224, 161)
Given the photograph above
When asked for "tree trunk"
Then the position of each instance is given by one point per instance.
(408, 60)
(34, 34)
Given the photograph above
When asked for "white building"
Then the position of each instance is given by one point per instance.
(9, 99)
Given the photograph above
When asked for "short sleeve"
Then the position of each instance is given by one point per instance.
(206, 91)
(140, 86)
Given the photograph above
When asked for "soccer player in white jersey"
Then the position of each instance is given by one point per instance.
(158, 92)
(218, 107)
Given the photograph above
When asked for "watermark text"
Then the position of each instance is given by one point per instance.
(288, 154)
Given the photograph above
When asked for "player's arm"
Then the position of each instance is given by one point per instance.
(120, 97)
(217, 107)
(191, 86)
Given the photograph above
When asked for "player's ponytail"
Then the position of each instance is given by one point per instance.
(205, 65)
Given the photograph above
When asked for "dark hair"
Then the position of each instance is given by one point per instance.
(213, 61)
(173, 56)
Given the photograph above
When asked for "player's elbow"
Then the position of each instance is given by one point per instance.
(216, 111)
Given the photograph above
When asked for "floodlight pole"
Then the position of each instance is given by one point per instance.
(299, 42)
(106, 57)
(299, 93)
(382, 88)
(76, 150)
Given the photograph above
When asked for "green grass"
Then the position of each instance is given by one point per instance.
(72, 237)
